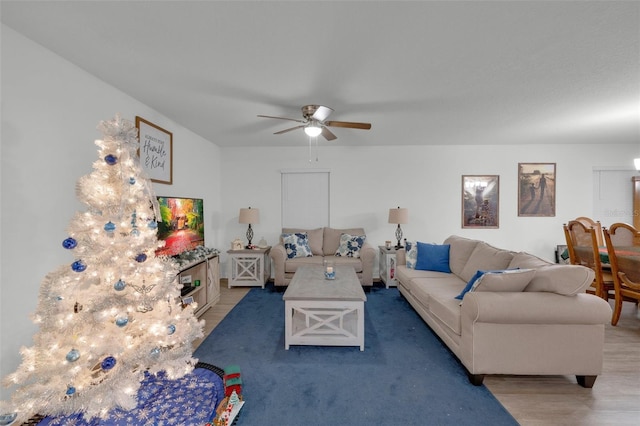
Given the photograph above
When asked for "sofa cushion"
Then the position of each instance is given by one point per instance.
(510, 280)
(331, 238)
(291, 265)
(406, 275)
(568, 280)
(356, 263)
(315, 238)
(459, 253)
(411, 254)
(296, 245)
(444, 306)
(485, 258)
(350, 245)
(526, 260)
(432, 257)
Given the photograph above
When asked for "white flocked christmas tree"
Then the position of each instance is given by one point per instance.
(113, 312)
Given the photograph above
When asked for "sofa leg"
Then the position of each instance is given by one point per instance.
(476, 379)
(586, 381)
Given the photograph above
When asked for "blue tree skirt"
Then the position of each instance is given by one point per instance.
(190, 400)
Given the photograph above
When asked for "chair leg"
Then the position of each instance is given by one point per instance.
(617, 309)
(586, 381)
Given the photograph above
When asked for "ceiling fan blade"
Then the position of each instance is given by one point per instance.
(282, 118)
(348, 124)
(288, 130)
(327, 134)
(322, 112)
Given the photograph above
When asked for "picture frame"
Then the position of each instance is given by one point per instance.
(537, 189)
(480, 201)
(156, 151)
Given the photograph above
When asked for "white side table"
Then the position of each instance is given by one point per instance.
(249, 267)
(387, 266)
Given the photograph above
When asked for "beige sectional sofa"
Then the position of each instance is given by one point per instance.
(551, 327)
(324, 243)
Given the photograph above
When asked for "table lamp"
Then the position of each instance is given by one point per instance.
(249, 216)
(399, 216)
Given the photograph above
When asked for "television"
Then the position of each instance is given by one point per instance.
(181, 225)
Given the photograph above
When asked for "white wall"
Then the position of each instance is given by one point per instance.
(50, 110)
(367, 182)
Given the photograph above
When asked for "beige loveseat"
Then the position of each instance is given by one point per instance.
(550, 327)
(324, 243)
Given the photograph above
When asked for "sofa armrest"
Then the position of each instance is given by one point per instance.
(279, 255)
(368, 257)
(533, 308)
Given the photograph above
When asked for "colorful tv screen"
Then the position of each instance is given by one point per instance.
(182, 225)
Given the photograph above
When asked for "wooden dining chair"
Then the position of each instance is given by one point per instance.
(582, 244)
(623, 246)
(595, 224)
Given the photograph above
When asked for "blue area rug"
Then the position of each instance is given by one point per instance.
(405, 376)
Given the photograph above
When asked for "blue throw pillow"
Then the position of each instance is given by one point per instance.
(432, 257)
(470, 284)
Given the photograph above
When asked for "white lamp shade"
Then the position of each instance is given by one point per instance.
(637, 163)
(313, 130)
(399, 216)
(249, 216)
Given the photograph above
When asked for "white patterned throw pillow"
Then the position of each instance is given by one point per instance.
(411, 251)
(350, 245)
(296, 245)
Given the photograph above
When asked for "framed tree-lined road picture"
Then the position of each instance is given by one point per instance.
(156, 151)
(537, 189)
(480, 201)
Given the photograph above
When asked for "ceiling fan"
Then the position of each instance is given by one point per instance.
(314, 122)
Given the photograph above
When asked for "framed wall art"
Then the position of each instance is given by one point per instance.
(480, 201)
(156, 151)
(537, 189)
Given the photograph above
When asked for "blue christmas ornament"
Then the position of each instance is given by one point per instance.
(69, 243)
(110, 226)
(59, 298)
(122, 321)
(78, 266)
(111, 159)
(108, 363)
(132, 180)
(135, 232)
(155, 352)
(70, 390)
(171, 329)
(141, 257)
(152, 225)
(7, 418)
(73, 355)
(120, 285)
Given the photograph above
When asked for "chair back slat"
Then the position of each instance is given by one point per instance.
(595, 224)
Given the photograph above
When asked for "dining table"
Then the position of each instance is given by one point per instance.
(630, 253)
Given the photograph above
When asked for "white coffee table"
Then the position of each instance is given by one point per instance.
(324, 312)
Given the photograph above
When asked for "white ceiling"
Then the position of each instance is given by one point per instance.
(432, 72)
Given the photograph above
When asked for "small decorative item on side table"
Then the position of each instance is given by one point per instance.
(329, 270)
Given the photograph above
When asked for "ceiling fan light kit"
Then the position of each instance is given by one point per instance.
(313, 130)
(314, 122)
